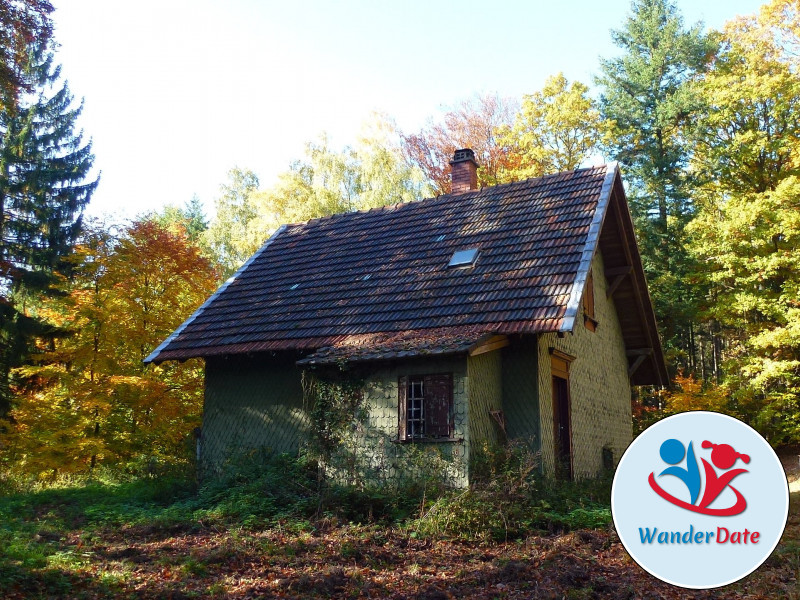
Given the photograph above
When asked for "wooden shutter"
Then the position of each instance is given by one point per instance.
(588, 297)
(588, 305)
(402, 393)
(438, 391)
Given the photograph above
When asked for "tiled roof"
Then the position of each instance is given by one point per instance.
(402, 344)
(384, 271)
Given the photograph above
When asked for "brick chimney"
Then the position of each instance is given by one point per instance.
(464, 171)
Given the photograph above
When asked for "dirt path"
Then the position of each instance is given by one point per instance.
(790, 459)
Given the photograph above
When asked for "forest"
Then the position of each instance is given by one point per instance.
(705, 125)
(98, 489)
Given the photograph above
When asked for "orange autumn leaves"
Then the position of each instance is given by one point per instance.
(88, 399)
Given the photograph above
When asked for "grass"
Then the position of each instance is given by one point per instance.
(271, 531)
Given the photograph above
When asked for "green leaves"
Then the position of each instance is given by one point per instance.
(556, 129)
(747, 230)
(751, 246)
(324, 182)
(646, 94)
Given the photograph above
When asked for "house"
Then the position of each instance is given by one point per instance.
(518, 311)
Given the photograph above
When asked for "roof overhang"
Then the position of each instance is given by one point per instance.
(407, 344)
(156, 355)
(612, 233)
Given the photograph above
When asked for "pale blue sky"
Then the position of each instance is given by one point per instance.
(179, 91)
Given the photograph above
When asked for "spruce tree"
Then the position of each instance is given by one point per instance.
(21, 23)
(646, 93)
(44, 166)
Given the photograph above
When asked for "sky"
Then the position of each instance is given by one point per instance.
(178, 92)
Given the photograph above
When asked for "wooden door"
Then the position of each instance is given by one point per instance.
(562, 432)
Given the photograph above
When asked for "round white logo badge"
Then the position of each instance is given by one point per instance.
(700, 500)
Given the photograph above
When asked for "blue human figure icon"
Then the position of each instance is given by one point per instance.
(672, 452)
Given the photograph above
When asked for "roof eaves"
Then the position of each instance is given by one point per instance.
(589, 249)
(153, 356)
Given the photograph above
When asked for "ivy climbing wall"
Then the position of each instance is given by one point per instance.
(372, 451)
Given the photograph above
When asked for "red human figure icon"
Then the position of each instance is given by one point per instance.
(724, 457)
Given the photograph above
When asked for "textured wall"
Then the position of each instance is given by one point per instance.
(372, 452)
(485, 394)
(520, 391)
(600, 390)
(251, 403)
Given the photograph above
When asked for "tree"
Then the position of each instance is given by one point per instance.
(90, 400)
(44, 165)
(471, 124)
(23, 24)
(370, 174)
(646, 94)
(750, 244)
(386, 176)
(556, 129)
(191, 218)
(777, 28)
(324, 182)
(748, 136)
(747, 231)
(225, 236)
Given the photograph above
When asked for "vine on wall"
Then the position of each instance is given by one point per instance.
(334, 403)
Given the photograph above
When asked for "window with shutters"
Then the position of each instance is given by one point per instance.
(425, 407)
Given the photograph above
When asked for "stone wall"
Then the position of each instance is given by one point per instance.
(251, 404)
(600, 393)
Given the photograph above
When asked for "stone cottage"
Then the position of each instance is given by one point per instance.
(518, 311)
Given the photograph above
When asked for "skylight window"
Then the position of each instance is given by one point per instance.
(440, 238)
(464, 258)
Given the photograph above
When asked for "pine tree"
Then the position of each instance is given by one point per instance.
(196, 222)
(44, 166)
(21, 23)
(646, 93)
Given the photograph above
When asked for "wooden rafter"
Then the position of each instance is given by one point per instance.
(629, 240)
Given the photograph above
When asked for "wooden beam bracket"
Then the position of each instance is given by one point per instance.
(493, 343)
(500, 418)
(641, 354)
(636, 364)
(619, 274)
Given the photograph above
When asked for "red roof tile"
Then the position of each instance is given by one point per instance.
(384, 271)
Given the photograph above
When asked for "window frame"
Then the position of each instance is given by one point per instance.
(434, 388)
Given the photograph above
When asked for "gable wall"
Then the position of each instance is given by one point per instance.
(600, 392)
(251, 403)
